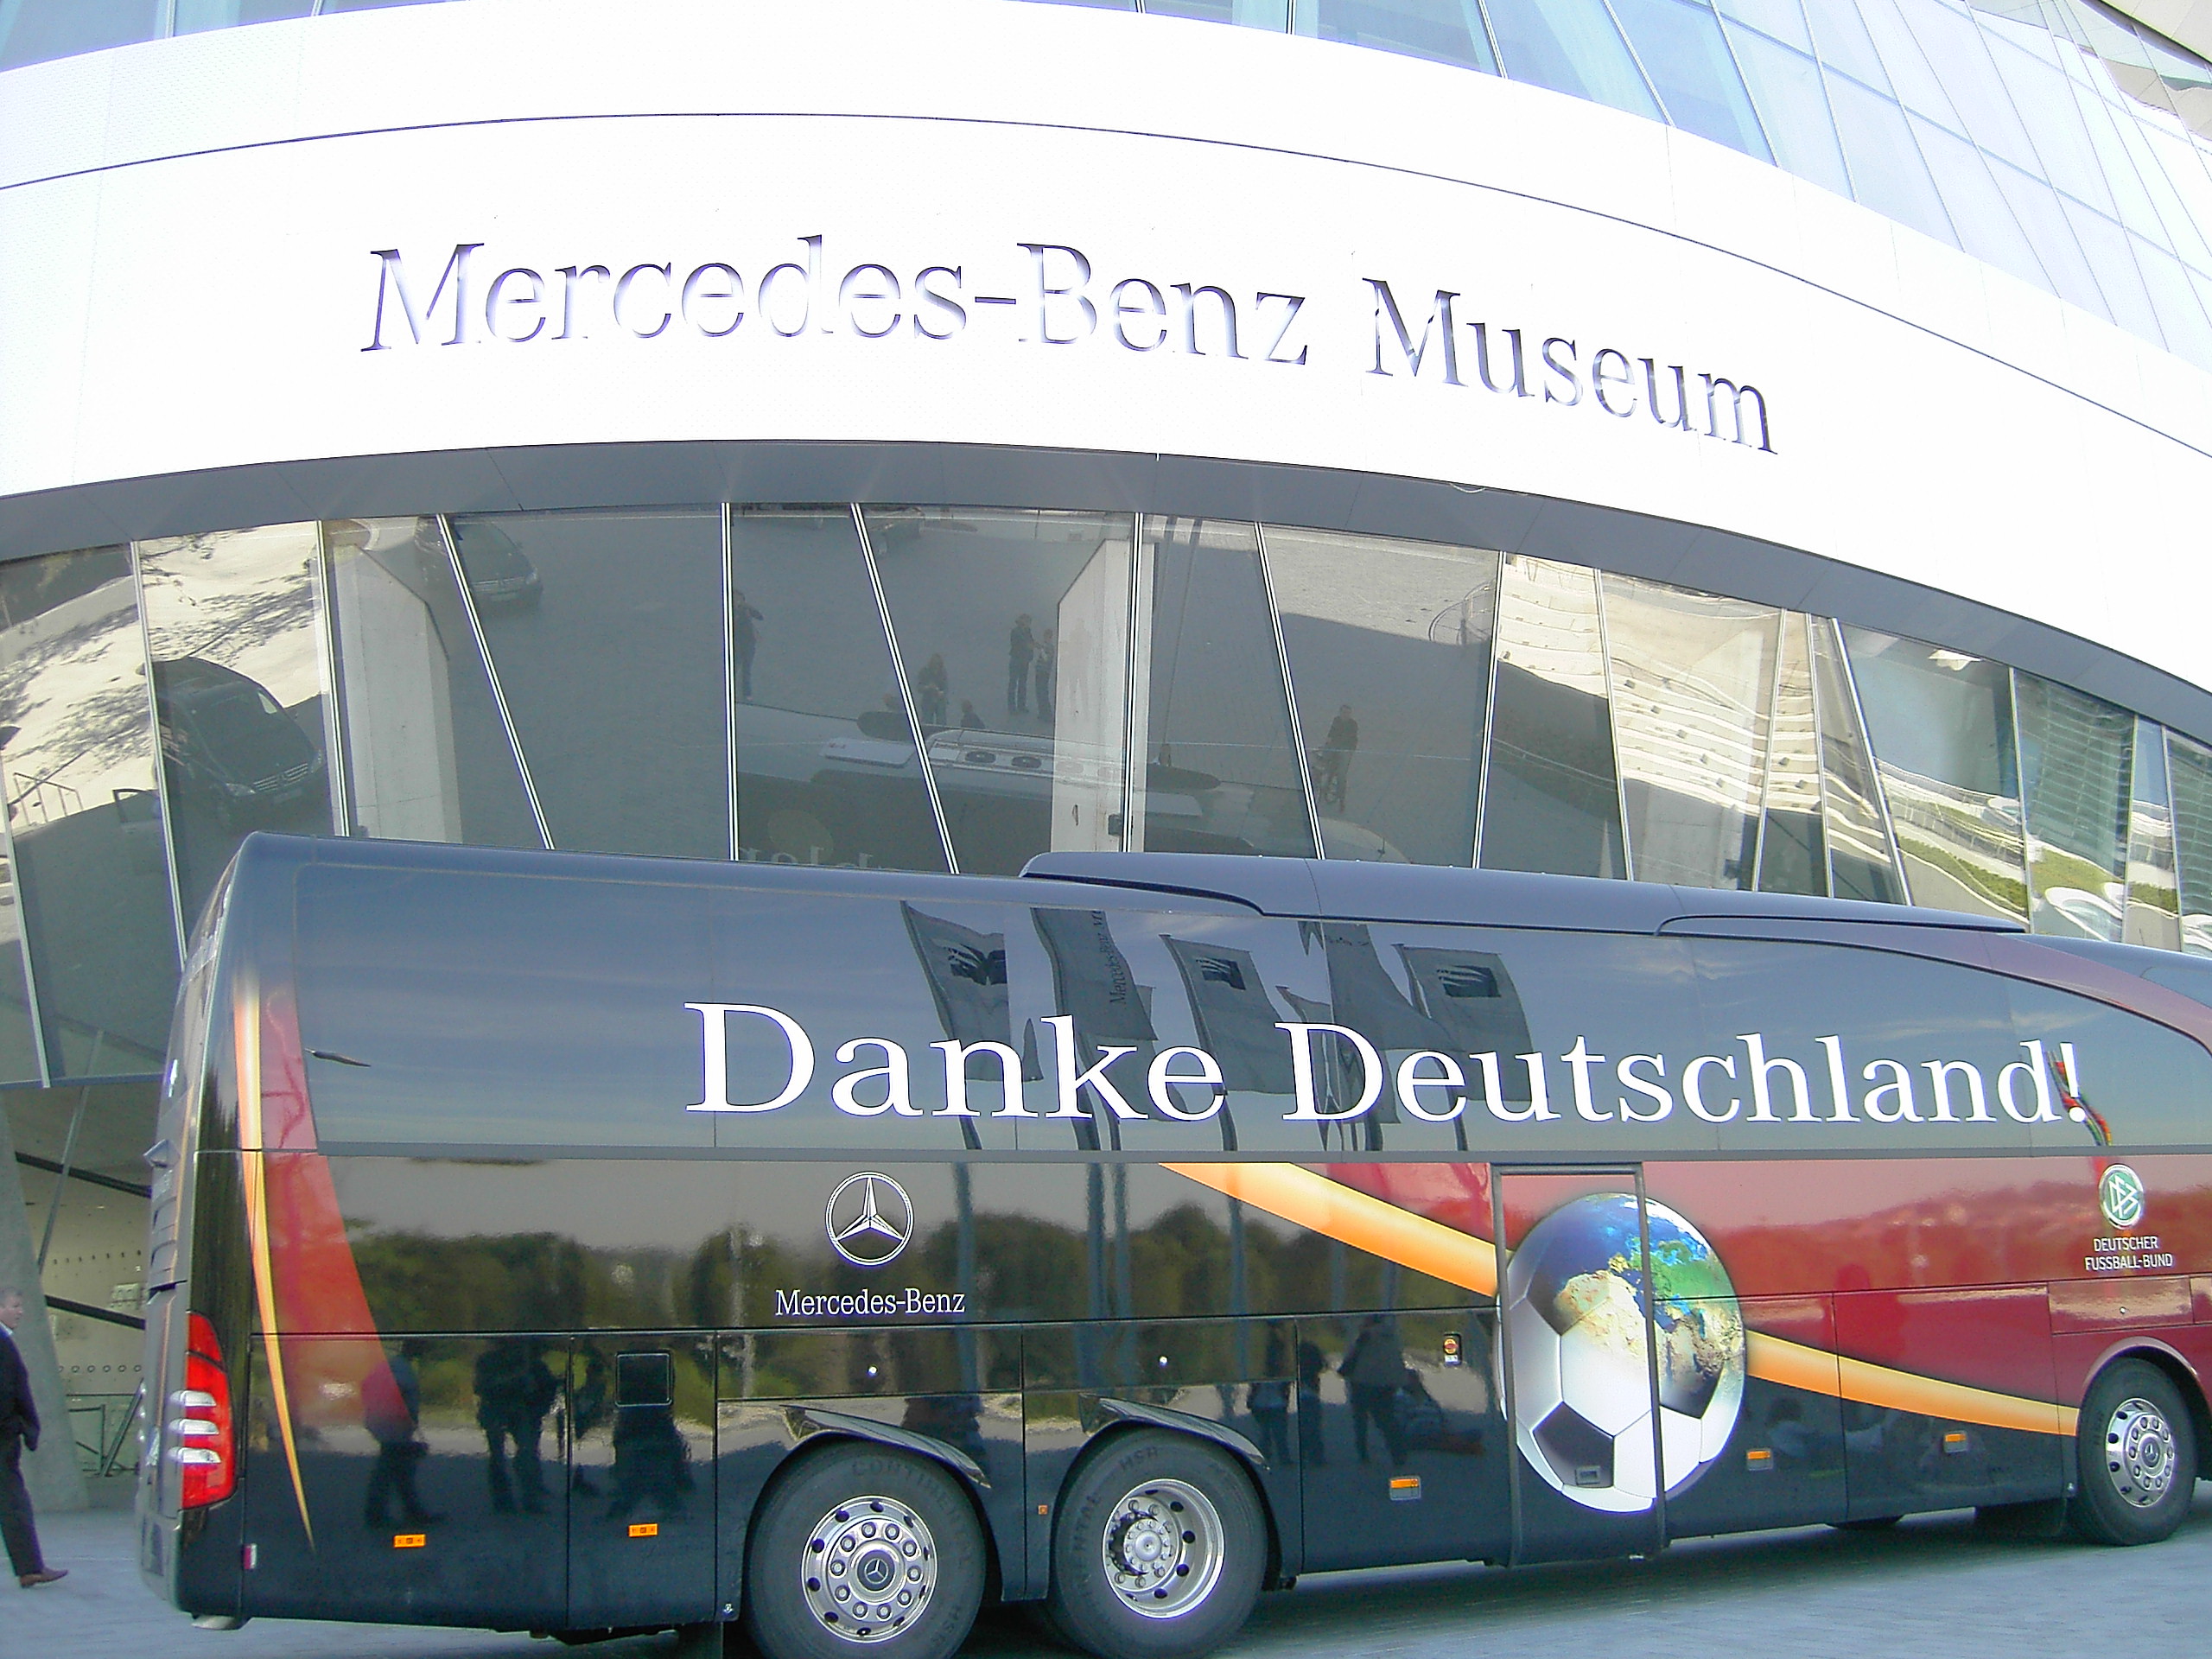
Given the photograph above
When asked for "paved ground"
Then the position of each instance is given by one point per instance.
(1933, 1587)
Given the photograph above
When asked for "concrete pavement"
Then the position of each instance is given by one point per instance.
(1935, 1586)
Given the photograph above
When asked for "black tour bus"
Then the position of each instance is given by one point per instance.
(585, 1245)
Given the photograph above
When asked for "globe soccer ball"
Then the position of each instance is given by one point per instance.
(1576, 1299)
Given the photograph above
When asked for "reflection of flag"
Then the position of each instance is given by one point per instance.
(967, 973)
(1235, 1018)
(1338, 1076)
(1366, 1000)
(1092, 981)
(1471, 996)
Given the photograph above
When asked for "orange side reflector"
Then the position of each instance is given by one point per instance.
(410, 1539)
(1759, 1454)
(644, 1528)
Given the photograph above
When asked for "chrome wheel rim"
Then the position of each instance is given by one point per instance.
(870, 1568)
(2139, 1453)
(1162, 1548)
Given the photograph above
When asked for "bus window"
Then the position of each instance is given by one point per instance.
(2136, 1083)
(1822, 1047)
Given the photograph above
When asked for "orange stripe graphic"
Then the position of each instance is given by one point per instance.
(1316, 1203)
(245, 1026)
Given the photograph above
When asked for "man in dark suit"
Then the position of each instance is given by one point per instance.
(18, 1433)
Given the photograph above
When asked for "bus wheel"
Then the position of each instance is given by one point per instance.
(1158, 1551)
(2138, 1451)
(864, 1551)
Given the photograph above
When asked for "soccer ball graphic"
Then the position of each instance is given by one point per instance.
(1574, 1311)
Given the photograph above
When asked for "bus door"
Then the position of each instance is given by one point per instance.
(640, 1477)
(1578, 1371)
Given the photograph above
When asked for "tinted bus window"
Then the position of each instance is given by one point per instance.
(2138, 1084)
(1828, 1047)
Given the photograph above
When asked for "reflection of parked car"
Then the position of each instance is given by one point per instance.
(229, 746)
(499, 572)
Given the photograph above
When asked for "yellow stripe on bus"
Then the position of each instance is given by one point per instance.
(1307, 1199)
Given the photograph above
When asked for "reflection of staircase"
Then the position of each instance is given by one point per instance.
(40, 800)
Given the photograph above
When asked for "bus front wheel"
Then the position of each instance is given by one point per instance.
(1160, 1549)
(864, 1550)
(2138, 1452)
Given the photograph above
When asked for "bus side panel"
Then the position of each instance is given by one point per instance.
(1900, 1461)
(1783, 1464)
(449, 1508)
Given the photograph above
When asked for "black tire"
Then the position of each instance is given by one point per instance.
(1127, 1502)
(866, 1511)
(2137, 1452)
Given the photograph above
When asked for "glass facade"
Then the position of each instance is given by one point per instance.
(961, 689)
(2054, 139)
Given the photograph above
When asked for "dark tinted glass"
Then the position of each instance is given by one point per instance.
(605, 630)
(235, 627)
(1014, 629)
(2138, 1084)
(427, 754)
(1768, 1005)
(91, 871)
(2075, 755)
(1941, 727)
(1388, 644)
(827, 772)
(1209, 716)
(1551, 802)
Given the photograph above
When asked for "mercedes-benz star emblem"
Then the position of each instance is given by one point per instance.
(869, 1219)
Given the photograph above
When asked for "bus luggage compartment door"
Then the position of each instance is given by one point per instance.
(641, 1481)
(1581, 1381)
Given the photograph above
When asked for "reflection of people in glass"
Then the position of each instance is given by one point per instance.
(933, 687)
(391, 1409)
(590, 1404)
(1048, 659)
(1268, 1401)
(744, 637)
(1373, 1372)
(1311, 1364)
(969, 719)
(1332, 766)
(513, 1393)
(1020, 648)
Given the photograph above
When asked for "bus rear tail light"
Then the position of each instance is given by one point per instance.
(200, 1436)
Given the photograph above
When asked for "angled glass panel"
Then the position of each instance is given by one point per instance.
(2035, 205)
(1679, 45)
(83, 814)
(828, 770)
(1444, 31)
(2176, 179)
(234, 623)
(1916, 86)
(426, 754)
(2181, 314)
(2190, 780)
(1389, 644)
(2075, 758)
(2153, 897)
(1940, 724)
(605, 630)
(1840, 41)
(2131, 203)
(193, 15)
(1781, 20)
(1572, 47)
(1693, 676)
(18, 1033)
(2045, 103)
(1793, 104)
(1245, 14)
(1793, 852)
(1886, 171)
(1983, 217)
(38, 31)
(1013, 627)
(2185, 81)
(1208, 712)
(1960, 58)
(1551, 799)
(1853, 820)
(2111, 256)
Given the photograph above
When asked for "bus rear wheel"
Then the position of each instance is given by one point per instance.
(1160, 1549)
(863, 1551)
(2138, 1454)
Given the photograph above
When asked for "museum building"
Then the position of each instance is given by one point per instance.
(1739, 443)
